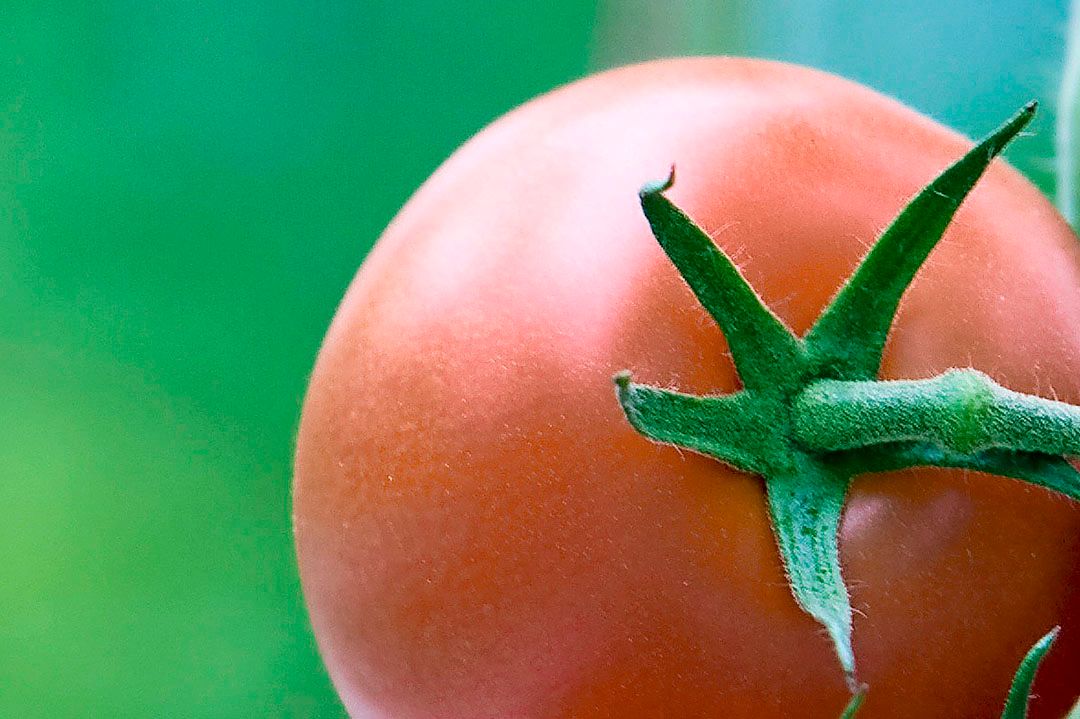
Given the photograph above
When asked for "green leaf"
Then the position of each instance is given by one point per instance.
(763, 348)
(1020, 691)
(847, 340)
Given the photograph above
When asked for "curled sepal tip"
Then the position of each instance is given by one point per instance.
(762, 347)
(654, 188)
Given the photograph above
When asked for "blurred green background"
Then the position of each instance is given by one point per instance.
(185, 190)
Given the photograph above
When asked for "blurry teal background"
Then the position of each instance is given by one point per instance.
(186, 189)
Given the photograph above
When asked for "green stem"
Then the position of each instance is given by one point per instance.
(1068, 122)
(962, 410)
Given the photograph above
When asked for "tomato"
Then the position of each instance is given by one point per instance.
(482, 534)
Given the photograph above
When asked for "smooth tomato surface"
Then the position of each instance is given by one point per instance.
(482, 535)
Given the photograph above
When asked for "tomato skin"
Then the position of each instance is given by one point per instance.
(480, 532)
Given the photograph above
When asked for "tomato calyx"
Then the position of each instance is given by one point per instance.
(812, 415)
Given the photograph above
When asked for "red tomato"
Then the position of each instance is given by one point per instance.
(481, 534)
